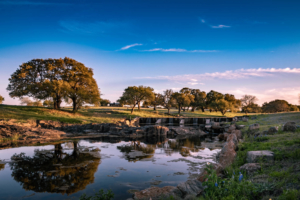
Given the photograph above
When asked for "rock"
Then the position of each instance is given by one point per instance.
(221, 137)
(186, 131)
(250, 167)
(253, 128)
(256, 156)
(231, 128)
(254, 117)
(240, 127)
(225, 136)
(245, 119)
(228, 154)
(238, 134)
(272, 130)
(290, 126)
(191, 187)
(156, 193)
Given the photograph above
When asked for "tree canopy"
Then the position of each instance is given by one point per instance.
(134, 95)
(1, 99)
(248, 103)
(55, 79)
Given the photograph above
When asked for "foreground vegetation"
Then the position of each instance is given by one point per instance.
(279, 180)
(93, 114)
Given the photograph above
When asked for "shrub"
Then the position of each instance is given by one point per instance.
(101, 195)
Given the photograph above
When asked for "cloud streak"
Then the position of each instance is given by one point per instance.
(180, 50)
(236, 74)
(220, 26)
(131, 45)
(213, 26)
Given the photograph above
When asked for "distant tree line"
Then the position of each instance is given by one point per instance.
(54, 80)
(192, 99)
(183, 100)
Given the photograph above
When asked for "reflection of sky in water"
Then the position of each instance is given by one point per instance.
(115, 171)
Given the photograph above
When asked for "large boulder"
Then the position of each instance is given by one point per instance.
(256, 156)
(231, 128)
(253, 128)
(228, 154)
(272, 130)
(191, 187)
(186, 131)
(238, 134)
(156, 193)
(290, 126)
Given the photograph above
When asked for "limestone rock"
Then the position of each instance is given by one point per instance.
(228, 154)
(156, 193)
(192, 187)
(253, 128)
(290, 126)
(238, 134)
(250, 167)
(240, 127)
(256, 156)
(272, 130)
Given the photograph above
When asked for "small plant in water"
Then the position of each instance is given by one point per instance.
(101, 195)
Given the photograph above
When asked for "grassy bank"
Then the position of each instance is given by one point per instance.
(277, 180)
(93, 114)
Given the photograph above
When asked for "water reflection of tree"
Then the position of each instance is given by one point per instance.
(55, 171)
(184, 146)
(136, 151)
(2, 166)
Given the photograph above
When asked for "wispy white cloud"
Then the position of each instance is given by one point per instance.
(220, 26)
(180, 50)
(30, 3)
(131, 45)
(236, 74)
(89, 28)
(213, 26)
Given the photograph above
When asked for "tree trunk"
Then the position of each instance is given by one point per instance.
(139, 107)
(179, 109)
(55, 104)
(210, 110)
(202, 109)
(168, 110)
(193, 109)
(75, 106)
(132, 109)
(154, 108)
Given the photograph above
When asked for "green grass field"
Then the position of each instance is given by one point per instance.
(94, 114)
(276, 180)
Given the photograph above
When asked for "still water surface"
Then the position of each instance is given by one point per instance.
(67, 170)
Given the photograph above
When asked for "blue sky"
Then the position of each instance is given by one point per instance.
(239, 47)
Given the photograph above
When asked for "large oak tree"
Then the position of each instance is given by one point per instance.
(134, 95)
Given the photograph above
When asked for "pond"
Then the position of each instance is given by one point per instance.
(67, 169)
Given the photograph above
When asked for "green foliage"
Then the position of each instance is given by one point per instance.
(135, 95)
(101, 195)
(56, 79)
(229, 187)
(290, 195)
(275, 106)
(104, 102)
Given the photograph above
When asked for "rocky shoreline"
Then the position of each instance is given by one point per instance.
(43, 131)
